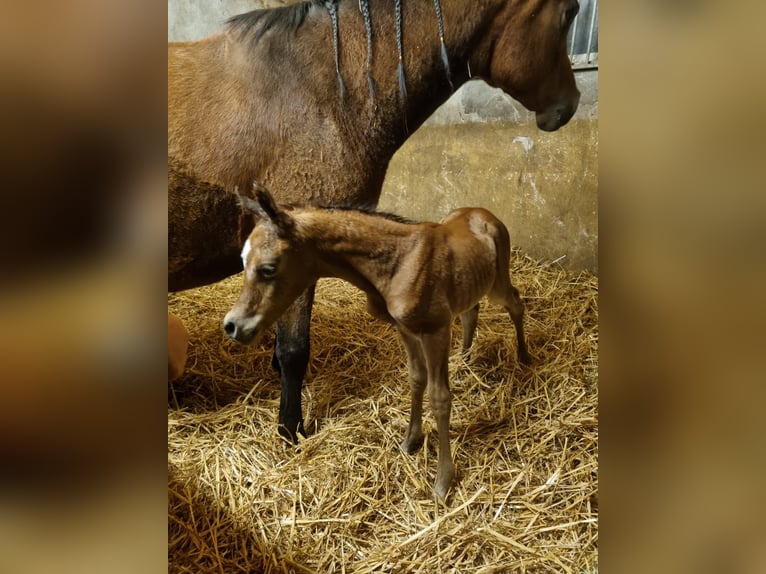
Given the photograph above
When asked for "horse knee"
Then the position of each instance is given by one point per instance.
(440, 398)
(418, 381)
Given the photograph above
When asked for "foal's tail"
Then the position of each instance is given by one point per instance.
(503, 252)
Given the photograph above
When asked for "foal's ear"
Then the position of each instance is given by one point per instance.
(268, 207)
(249, 204)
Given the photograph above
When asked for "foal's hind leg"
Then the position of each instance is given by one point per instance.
(469, 319)
(515, 307)
(507, 295)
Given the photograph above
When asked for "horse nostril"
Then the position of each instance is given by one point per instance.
(230, 328)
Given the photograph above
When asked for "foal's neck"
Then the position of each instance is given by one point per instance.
(362, 248)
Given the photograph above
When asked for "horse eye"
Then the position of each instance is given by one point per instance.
(267, 271)
(570, 14)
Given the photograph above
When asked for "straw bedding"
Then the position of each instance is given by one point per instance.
(525, 443)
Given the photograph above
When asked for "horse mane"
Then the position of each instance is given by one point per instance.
(285, 18)
(290, 18)
(373, 213)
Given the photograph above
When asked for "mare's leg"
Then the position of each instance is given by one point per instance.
(436, 350)
(515, 307)
(416, 363)
(291, 357)
(469, 319)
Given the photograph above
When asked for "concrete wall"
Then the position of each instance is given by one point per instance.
(480, 148)
(194, 19)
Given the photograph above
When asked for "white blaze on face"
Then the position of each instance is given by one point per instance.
(245, 253)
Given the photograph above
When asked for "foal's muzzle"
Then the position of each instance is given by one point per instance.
(241, 330)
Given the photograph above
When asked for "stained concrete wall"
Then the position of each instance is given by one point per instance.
(195, 19)
(480, 148)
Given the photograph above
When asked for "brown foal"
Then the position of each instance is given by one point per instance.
(417, 276)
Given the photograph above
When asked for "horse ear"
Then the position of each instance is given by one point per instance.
(249, 204)
(268, 206)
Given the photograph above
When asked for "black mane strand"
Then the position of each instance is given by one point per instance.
(286, 18)
(373, 213)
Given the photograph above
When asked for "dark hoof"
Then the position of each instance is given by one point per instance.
(290, 436)
(443, 483)
(525, 358)
(412, 446)
(440, 491)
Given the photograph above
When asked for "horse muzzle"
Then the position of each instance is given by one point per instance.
(242, 330)
(558, 114)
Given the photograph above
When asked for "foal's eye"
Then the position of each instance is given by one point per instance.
(570, 14)
(267, 271)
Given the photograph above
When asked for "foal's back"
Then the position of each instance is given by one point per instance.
(451, 266)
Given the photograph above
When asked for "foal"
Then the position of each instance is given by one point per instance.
(416, 275)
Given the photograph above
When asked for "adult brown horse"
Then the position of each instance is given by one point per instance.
(313, 99)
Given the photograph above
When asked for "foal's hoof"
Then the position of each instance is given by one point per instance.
(525, 358)
(290, 436)
(441, 492)
(442, 486)
(411, 446)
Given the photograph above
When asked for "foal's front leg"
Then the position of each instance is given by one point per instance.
(416, 365)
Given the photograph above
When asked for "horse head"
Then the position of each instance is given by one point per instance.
(274, 275)
(524, 54)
